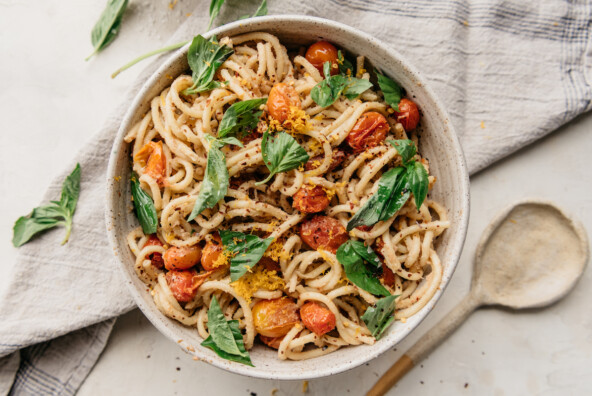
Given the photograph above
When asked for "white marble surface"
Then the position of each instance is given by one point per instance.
(51, 101)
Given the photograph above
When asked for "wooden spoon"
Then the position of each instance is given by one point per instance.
(530, 256)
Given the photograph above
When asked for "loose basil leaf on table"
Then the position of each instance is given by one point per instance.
(405, 147)
(225, 336)
(144, 207)
(418, 182)
(241, 118)
(356, 271)
(107, 27)
(262, 10)
(281, 153)
(328, 91)
(247, 249)
(48, 216)
(379, 317)
(204, 58)
(391, 90)
(215, 6)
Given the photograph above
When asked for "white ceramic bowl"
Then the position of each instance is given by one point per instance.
(438, 142)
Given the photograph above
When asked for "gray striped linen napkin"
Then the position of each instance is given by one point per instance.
(508, 72)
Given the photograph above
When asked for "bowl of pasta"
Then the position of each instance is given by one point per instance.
(287, 198)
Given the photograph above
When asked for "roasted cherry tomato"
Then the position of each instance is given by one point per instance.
(364, 228)
(317, 318)
(281, 97)
(388, 276)
(270, 265)
(155, 258)
(273, 342)
(369, 131)
(181, 258)
(275, 318)
(408, 114)
(152, 155)
(321, 52)
(336, 160)
(310, 199)
(211, 252)
(184, 284)
(323, 232)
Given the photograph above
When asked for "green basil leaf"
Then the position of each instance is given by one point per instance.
(209, 343)
(204, 58)
(107, 27)
(356, 88)
(26, 228)
(366, 253)
(144, 207)
(418, 182)
(71, 190)
(247, 248)
(281, 153)
(405, 147)
(215, 183)
(241, 118)
(390, 197)
(328, 91)
(215, 6)
(379, 317)
(230, 140)
(356, 271)
(391, 90)
(262, 10)
(345, 66)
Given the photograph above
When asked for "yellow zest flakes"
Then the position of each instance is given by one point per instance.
(172, 4)
(390, 110)
(276, 252)
(169, 237)
(301, 168)
(188, 14)
(258, 278)
(330, 192)
(482, 124)
(352, 234)
(297, 120)
(361, 72)
(117, 178)
(319, 117)
(403, 320)
(275, 125)
(304, 386)
(223, 259)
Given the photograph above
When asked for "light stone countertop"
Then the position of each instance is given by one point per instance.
(52, 101)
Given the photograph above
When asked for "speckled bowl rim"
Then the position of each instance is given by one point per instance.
(315, 371)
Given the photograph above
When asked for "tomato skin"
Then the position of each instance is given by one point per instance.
(317, 318)
(184, 284)
(336, 160)
(323, 232)
(275, 318)
(388, 276)
(211, 252)
(310, 199)
(281, 97)
(364, 228)
(152, 154)
(270, 265)
(321, 52)
(155, 258)
(272, 342)
(181, 258)
(369, 131)
(408, 114)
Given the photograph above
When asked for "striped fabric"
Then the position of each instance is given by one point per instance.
(508, 72)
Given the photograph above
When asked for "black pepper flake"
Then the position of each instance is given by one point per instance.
(466, 385)
(178, 368)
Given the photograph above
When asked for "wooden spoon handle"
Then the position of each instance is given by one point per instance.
(425, 345)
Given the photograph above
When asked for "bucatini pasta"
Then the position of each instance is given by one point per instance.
(302, 297)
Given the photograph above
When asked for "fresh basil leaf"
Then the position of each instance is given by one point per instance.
(215, 6)
(391, 90)
(215, 183)
(107, 27)
(225, 336)
(241, 118)
(247, 249)
(230, 140)
(405, 147)
(390, 197)
(345, 66)
(71, 190)
(328, 91)
(356, 271)
(281, 153)
(366, 253)
(26, 228)
(356, 88)
(379, 317)
(144, 207)
(204, 58)
(418, 182)
(262, 10)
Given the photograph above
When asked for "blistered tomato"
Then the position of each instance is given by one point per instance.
(180, 258)
(369, 131)
(323, 232)
(408, 114)
(317, 318)
(152, 155)
(310, 199)
(281, 97)
(275, 318)
(155, 258)
(184, 284)
(321, 52)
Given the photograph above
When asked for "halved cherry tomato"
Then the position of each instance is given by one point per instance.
(269, 264)
(388, 276)
(408, 114)
(275, 318)
(369, 131)
(152, 155)
(211, 252)
(273, 342)
(184, 284)
(317, 318)
(155, 258)
(310, 199)
(281, 97)
(323, 232)
(336, 160)
(321, 52)
(364, 228)
(181, 258)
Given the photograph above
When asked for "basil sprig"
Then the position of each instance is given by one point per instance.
(379, 317)
(281, 153)
(48, 216)
(246, 248)
(352, 255)
(391, 90)
(204, 58)
(241, 118)
(225, 336)
(143, 207)
(394, 188)
(327, 91)
(345, 66)
(107, 27)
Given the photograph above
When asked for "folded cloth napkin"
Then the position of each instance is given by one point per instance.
(508, 72)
